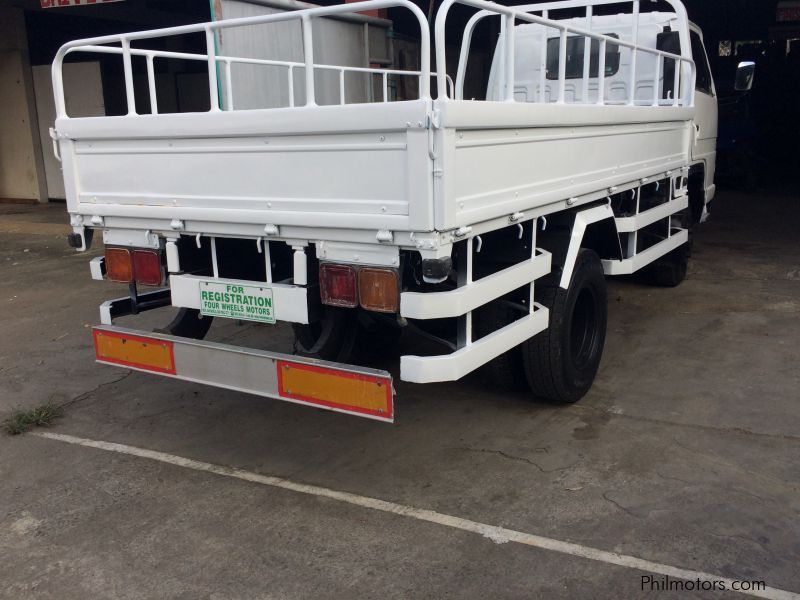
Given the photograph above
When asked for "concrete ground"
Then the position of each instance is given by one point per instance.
(686, 452)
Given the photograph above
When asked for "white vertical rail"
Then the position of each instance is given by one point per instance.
(291, 86)
(308, 54)
(214, 263)
(535, 224)
(543, 62)
(151, 85)
(502, 44)
(587, 56)
(128, 70)
(656, 82)
(211, 51)
(468, 316)
(635, 40)
(601, 74)
(341, 86)
(268, 260)
(228, 86)
(509, 56)
(676, 84)
(385, 86)
(562, 66)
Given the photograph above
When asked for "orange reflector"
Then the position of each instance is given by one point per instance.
(119, 265)
(336, 389)
(134, 351)
(377, 290)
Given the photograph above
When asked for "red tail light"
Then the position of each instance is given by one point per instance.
(337, 285)
(119, 265)
(147, 267)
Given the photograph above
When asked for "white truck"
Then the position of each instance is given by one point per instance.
(486, 225)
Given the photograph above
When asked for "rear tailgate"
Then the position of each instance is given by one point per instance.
(355, 166)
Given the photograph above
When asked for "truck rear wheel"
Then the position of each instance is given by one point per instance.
(506, 371)
(188, 323)
(561, 362)
(330, 338)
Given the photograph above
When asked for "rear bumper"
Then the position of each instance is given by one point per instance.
(342, 388)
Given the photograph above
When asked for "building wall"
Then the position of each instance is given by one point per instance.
(21, 167)
(337, 41)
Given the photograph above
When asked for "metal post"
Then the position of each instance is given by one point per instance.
(308, 54)
(228, 86)
(509, 56)
(543, 61)
(213, 90)
(385, 85)
(214, 264)
(268, 260)
(468, 319)
(601, 73)
(562, 66)
(587, 56)
(291, 86)
(635, 39)
(128, 69)
(676, 84)
(151, 84)
(341, 86)
(656, 78)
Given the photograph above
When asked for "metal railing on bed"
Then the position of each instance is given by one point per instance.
(684, 76)
(305, 16)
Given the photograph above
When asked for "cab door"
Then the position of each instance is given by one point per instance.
(705, 148)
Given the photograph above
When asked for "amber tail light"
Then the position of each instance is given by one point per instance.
(378, 290)
(119, 265)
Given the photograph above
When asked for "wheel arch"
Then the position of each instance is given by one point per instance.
(697, 191)
(591, 227)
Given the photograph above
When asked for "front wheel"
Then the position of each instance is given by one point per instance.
(671, 269)
(561, 362)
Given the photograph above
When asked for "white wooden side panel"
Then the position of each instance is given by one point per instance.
(496, 172)
(357, 174)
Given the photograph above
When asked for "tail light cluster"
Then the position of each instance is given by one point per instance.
(126, 265)
(371, 287)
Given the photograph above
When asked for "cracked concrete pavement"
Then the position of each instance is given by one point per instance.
(686, 451)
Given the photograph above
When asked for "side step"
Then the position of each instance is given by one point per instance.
(644, 258)
(449, 367)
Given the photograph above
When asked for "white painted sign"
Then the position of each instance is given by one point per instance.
(251, 303)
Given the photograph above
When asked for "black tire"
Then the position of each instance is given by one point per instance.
(377, 335)
(507, 370)
(561, 362)
(331, 338)
(669, 270)
(188, 323)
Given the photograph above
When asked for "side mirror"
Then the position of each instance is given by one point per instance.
(745, 73)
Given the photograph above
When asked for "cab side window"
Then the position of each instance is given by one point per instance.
(701, 61)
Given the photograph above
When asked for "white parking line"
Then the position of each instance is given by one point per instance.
(499, 535)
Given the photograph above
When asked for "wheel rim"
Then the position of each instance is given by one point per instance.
(583, 330)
